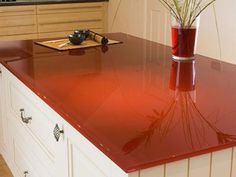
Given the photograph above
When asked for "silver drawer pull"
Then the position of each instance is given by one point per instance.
(26, 173)
(57, 132)
(24, 119)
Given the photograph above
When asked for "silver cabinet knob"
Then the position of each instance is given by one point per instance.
(26, 173)
(57, 132)
(24, 119)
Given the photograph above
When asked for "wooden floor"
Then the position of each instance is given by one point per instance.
(4, 170)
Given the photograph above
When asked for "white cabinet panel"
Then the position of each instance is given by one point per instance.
(86, 160)
(82, 166)
(157, 22)
(200, 166)
(218, 44)
(134, 174)
(234, 163)
(5, 143)
(153, 172)
(118, 172)
(221, 163)
(127, 16)
(22, 164)
(27, 155)
(159, 25)
(1, 113)
(177, 169)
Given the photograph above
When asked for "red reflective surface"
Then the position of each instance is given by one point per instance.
(133, 102)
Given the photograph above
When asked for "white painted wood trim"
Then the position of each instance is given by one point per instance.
(216, 164)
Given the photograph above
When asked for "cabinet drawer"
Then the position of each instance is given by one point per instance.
(69, 8)
(69, 18)
(25, 156)
(17, 10)
(22, 164)
(14, 25)
(63, 22)
(41, 126)
(70, 26)
(19, 37)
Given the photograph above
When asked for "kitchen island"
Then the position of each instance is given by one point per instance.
(138, 113)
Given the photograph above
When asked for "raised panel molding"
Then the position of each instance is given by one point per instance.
(221, 163)
(177, 169)
(158, 171)
(127, 16)
(233, 170)
(134, 174)
(209, 44)
(118, 172)
(216, 164)
(79, 164)
(200, 166)
(159, 24)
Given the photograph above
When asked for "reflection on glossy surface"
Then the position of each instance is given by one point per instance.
(133, 102)
(194, 122)
(182, 75)
(10, 50)
(182, 82)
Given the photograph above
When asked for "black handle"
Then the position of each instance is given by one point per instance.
(57, 132)
(24, 119)
(26, 173)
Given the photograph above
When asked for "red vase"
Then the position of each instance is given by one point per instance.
(183, 42)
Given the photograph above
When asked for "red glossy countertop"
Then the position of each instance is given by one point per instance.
(132, 101)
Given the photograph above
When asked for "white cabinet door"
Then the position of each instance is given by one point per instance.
(157, 23)
(1, 114)
(86, 160)
(80, 162)
(127, 17)
(5, 136)
(45, 155)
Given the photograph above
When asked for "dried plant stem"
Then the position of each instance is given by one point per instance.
(185, 11)
(201, 11)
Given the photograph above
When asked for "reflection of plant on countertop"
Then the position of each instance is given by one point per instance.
(194, 125)
(186, 12)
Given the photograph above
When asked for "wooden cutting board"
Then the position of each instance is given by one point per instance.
(64, 44)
